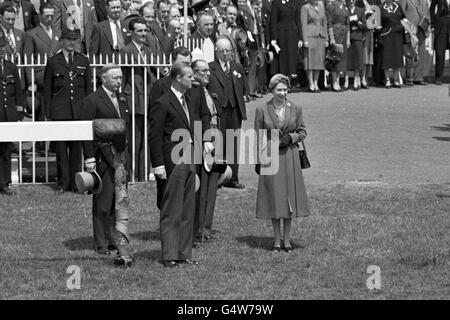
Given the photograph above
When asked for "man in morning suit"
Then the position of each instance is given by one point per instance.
(110, 35)
(440, 21)
(170, 113)
(162, 85)
(67, 79)
(83, 18)
(138, 53)
(41, 41)
(105, 103)
(11, 110)
(161, 26)
(206, 195)
(14, 37)
(226, 86)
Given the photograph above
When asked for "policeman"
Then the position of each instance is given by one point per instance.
(11, 110)
(67, 79)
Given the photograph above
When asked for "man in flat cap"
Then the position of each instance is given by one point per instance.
(109, 207)
(67, 79)
(11, 110)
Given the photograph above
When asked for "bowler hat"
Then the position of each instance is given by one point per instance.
(225, 177)
(70, 34)
(87, 181)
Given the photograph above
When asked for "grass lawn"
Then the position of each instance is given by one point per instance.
(403, 230)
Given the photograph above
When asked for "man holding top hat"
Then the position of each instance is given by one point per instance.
(105, 159)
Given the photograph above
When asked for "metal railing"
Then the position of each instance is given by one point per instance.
(157, 63)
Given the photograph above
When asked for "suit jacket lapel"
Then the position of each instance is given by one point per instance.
(43, 35)
(177, 106)
(287, 117)
(220, 74)
(107, 31)
(107, 101)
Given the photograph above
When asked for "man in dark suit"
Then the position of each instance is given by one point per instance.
(11, 110)
(206, 195)
(67, 79)
(172, 112)
(162, 85)
(26, 15)
(205, 28)
(161, 26)
(14, 37)
(83, 18)
(138, 53)
(148, 13)
(106, 103)
(440, 21)
(41, 41)
(227, 89)
(100, 10)
(111, 35)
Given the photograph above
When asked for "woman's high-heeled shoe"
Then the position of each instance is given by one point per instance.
(287, 248)
(337, 90)
(276, 248)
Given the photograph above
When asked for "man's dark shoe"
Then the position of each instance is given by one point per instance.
(234, 185)
(421, 83)
(438, 82)
(409, 83)
(123, 261)
(170, 264)
(7, 191)
(210, 237)
(189, 261)
(103, 251)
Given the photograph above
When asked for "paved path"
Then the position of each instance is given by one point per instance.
(396, 136)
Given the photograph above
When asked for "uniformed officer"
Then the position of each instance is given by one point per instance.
(11, 110)
(67, 79)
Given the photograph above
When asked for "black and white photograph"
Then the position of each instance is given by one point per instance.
(227, 156)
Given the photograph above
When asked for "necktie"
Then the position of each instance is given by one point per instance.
(227, 69)
(11, 43)
(210, 103)
(163, 27)
(120, 42)
(115, 102)
(79, 3)
(184, 105)
(70, 59)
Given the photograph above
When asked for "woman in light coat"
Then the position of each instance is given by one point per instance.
(281, 189)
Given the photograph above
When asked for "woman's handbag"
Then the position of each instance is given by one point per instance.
(304, 161)
(332, 58)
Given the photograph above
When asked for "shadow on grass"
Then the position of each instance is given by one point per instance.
(442, 138)
(445, 127)
(83, 243)
(153, 255)
(265, 243)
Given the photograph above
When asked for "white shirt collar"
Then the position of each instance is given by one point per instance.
(177, 93)
(108, 92)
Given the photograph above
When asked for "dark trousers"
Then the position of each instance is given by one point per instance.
(177, 213)
(139, 151)
(441, 44)
(205, 201)
(252, 72)
(231, 118)
(5, 164)
(68, 159)
(103, 215)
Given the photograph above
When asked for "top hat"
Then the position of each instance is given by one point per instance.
(90, 182)
(225, 177)
(213, 165)
(70, 34)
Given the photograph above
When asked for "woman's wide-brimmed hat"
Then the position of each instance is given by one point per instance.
(90, 182)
